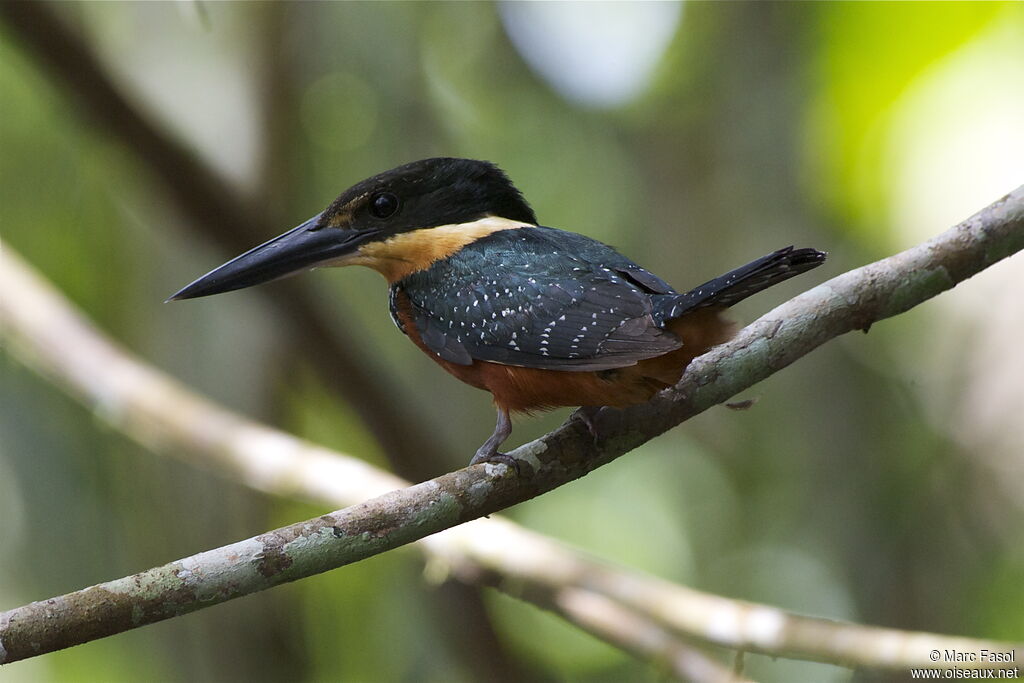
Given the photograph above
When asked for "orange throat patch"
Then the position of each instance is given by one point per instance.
(408, 252)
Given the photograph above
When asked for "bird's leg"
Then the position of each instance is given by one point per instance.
(588, 416)
(489, 451)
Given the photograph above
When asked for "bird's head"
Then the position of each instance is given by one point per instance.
(396, 222)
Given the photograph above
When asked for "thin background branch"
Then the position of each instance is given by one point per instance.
(135, 398)
(218, 212)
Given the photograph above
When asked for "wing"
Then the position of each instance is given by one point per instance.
(540, 298)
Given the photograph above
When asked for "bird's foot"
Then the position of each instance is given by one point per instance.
(494, 456)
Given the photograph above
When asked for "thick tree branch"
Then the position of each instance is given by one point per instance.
(136, 399)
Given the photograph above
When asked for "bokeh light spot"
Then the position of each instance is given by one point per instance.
(601, 54)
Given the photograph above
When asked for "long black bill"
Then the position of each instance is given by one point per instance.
(298, 249)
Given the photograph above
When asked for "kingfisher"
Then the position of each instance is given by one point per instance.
(539, 317)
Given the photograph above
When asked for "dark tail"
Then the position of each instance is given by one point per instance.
(737, 285)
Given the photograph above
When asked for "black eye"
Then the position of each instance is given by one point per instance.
(383, 204)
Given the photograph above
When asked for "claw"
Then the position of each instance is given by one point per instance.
(502, 458)
(588, 416)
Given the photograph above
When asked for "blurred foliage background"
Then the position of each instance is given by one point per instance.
(878, 480)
